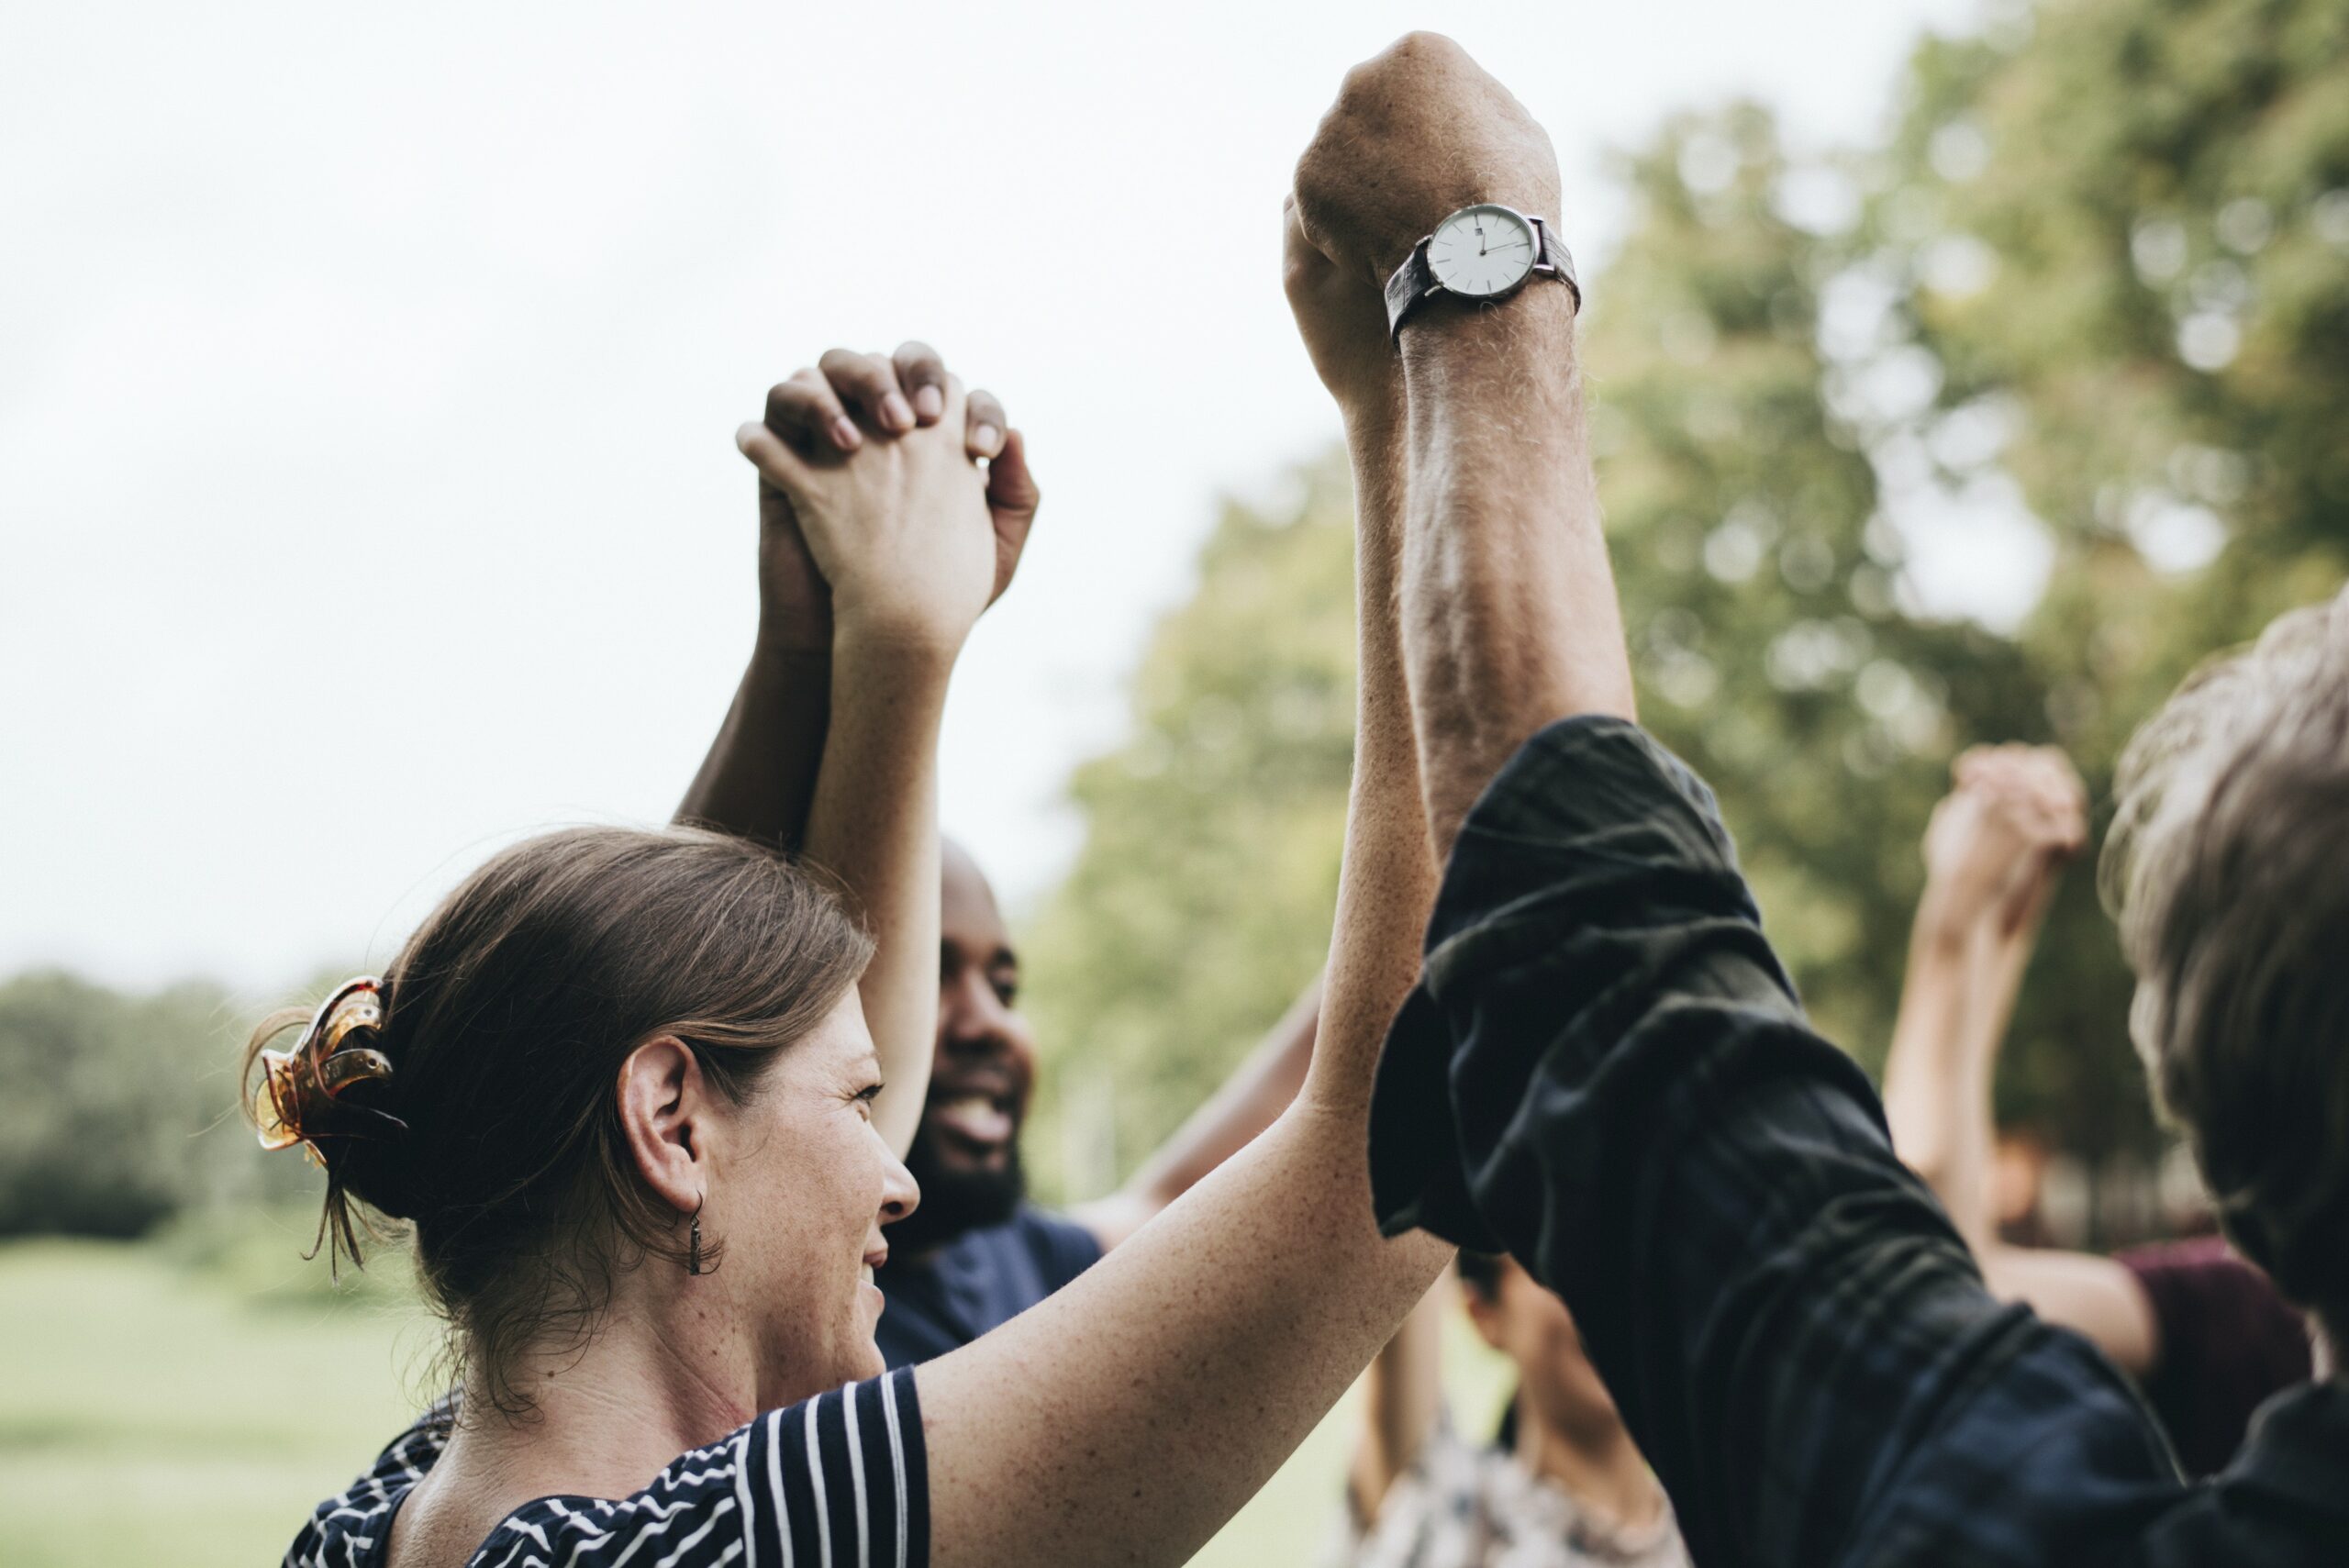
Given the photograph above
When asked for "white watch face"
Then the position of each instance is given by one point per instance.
(1482, 251)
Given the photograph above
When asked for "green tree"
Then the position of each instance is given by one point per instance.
(1202, 902)
(2118, 231)
(2093, 281)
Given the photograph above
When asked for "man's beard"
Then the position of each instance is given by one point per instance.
(955, 1199)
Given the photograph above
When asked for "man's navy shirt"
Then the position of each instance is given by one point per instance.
(947, 1297)
(1605, 1070)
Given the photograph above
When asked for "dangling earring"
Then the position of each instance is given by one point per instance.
(693, 1243)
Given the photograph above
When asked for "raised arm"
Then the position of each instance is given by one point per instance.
(1503, 516)
(1133, 1412)
(1992, 851)
(913, 540)
(1246, 1103)
(1796, 1338)
(759, 777)
(1402, 1402)
(1993, 855)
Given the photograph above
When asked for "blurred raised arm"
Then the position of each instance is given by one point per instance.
(1993, 855)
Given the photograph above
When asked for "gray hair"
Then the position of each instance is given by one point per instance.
(2228, 870)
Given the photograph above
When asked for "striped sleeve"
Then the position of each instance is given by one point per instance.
(838, 1482)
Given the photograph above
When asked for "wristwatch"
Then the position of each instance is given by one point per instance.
(1484, 253)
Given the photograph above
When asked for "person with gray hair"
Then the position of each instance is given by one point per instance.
(2227, 866)
(2203, 1332)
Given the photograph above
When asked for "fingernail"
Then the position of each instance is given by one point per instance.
(987, 437)
(896, 414)
(844, 434)
(928, 402)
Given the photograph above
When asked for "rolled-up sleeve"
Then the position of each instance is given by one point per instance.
(1606, 1072)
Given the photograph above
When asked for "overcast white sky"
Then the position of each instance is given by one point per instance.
(367, 384)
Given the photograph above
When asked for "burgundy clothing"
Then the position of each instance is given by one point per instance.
(2227, 1343)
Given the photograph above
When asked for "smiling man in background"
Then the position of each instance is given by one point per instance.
(976, 1251)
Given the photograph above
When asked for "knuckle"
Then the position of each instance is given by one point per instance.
(915, 357)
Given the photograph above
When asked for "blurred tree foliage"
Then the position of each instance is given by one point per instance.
(118, 1111)
(2092, 293)
(2116, 237)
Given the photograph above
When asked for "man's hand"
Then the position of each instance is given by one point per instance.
(1344, 323)
(1995, 844)
(861, 486)
(1417, 133)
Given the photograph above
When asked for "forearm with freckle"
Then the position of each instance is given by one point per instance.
(1132, 1413)
(1388, 886)
(874, 824)
(1508, 611)
(759, 778)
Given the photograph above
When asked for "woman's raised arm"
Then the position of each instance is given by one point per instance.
(1131, 1415)
(912, 541)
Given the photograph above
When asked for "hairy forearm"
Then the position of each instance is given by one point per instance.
(1508, 612)
(874, 825)
(759, 778)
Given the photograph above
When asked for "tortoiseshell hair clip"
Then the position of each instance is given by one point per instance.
(299, 1097)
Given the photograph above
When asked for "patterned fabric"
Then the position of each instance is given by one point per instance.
(1464, 1504)
(840, 1481)
(981, 1280)
(1639, 1110)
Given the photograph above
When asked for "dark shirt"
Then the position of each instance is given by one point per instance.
(2225, 1341)
(949, 1296)
(843, 1479)
(1606, 1072)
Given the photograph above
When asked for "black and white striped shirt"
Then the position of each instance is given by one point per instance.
(841, 1481)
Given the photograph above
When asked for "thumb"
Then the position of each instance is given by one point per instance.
(1012, 500)
(1011, 484)
(777, 464)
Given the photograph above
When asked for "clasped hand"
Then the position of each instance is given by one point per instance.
(877, 520)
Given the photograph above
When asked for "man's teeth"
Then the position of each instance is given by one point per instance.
(976, 1116)
(867, 1271)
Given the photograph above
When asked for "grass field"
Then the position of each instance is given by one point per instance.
(188, 1404)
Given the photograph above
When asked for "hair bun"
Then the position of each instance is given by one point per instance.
(318, 1096)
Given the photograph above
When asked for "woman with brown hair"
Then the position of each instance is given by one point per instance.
(645, 1126)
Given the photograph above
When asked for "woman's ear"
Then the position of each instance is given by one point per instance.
(664, 1109)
